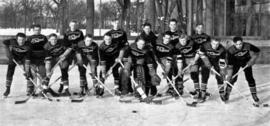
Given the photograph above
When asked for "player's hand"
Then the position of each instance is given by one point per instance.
(228, 78)
(27, 75)
(250, 63)
(192, 62)
(118, 60)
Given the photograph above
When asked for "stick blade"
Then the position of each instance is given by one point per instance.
(22, 101)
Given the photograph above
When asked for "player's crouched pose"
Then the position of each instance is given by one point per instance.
(87, 53)
(57, 53)
(17, 50)
(213, 55)
(140, 63)
(239, 55)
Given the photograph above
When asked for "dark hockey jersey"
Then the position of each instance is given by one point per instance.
(149, 39)
(174, 37)
(163, 50)
(119, 36)
(18, 52)
(187, 51)
(72, 38)
(139, 56)
(36, 44)
(243, 55)
(213, 54)
(200, 38)
(109, 52)
(91, 50)
(53, 51)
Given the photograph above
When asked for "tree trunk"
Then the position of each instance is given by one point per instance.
(250, 14)
(149, 12)
(63, 16)
(230, 12)
(219, 18)
(90, 17)
(190, 17)
(209, 16)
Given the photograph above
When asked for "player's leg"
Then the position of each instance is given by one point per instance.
(251, 83)
(116, 76)
(205, 76)
(232, 81)
(9, 77)
(221, 87)
(125, 77)
(82, 71)
(64, 79)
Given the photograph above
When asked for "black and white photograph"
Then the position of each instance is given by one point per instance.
(134, 62)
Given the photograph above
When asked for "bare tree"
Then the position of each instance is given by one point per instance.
(90, 16)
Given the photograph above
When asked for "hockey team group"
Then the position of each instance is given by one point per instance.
(133, 66)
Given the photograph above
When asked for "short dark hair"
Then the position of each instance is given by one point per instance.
(52, 35)
(20, 35)
(147, 24)
(173, 20)
(139, 38)
(199, 24)
(215, 39)
(108, 34)
(73, 21)
(36, 26)
(237, 38)
(166, 33)
(88, 36)
(183, 36)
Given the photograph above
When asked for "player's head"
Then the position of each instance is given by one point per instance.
(52, 39)
(238, 42)
(147, 28)
(20, 38)
(88, 38)
(199, 28)
(183, 39)
(140, 43)
(73, 25)
(166, 38)
(115, 24)
(215, 42)
(107, 39)
(173, 24)
(36, 29)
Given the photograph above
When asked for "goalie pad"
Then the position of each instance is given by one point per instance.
(140, 74)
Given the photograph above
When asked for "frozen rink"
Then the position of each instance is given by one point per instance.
(109, 112)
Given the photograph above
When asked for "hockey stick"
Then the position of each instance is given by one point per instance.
(60, 76)
(193, 104)
(25, 100)
(100, 82)
(136, 85)
(238, 91)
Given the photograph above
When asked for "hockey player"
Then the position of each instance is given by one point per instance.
(17, 50)
(71, 39)
(141, 64)
(87, 54)
(56, 51)
(163, 50)
(150, 41)
(36, 43)
(185, 51)
(213, 54)
(111, 52)
(115, 41)
(199, 38)
(239, 55)
(174, 32)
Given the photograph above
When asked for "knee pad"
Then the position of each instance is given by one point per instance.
(194, 68)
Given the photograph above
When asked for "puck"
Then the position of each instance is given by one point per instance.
(256, 105)
(134, 111)
(265, 105)
(58, 100)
